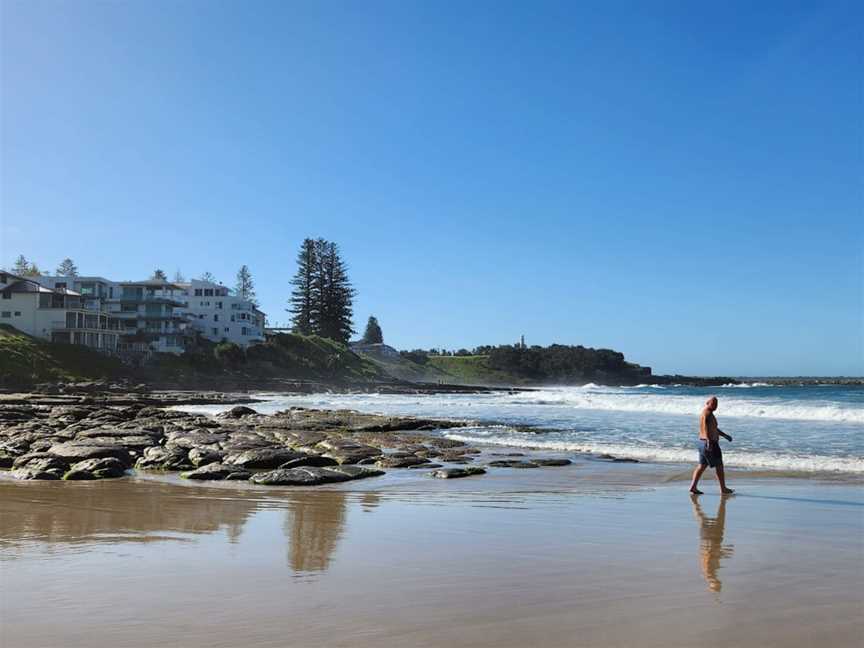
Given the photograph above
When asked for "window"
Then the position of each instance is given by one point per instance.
(215, 331)
(216, 317)
(219, 305)
(243, 331)
(227, 330)
(198, 292)
(200, 317)
(60, 284)
(7, 295)
(6, 314)
(208, 292)
(232, 318)
(17, 313)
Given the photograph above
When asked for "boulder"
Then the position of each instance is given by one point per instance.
(81, 450)
(262, 457)
(312, 476)
(160, 458)
(217, 471)
(42, 462)
(104, 468)
(504, 463)
(32, 473)
(454, 473)
(310, 460)
(391, 461)
(551, 462)
(203, 455)
(239, 411)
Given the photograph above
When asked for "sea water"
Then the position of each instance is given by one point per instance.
(809, 428)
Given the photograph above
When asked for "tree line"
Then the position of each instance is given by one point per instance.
(557, 362)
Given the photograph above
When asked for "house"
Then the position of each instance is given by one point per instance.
(150, 315)
(58, 314)
(142, 316)
(218, 314)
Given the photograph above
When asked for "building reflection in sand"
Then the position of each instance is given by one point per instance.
(49, 518)
(711, 548)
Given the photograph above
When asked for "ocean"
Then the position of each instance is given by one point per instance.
(807, 428)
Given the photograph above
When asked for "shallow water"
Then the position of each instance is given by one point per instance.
(809, 429)
(542, 559)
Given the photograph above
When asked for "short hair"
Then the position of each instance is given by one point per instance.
(710, 399)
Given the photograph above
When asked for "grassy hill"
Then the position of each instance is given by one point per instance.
(471, 370)
(284, 356)
(455, 370)
(26, 360)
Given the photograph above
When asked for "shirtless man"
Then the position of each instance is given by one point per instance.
(709, 448)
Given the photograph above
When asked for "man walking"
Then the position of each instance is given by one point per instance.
(710, 454)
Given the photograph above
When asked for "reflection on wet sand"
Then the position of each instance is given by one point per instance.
(55, 516)
(711, 548)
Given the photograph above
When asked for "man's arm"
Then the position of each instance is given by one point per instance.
(724, 435)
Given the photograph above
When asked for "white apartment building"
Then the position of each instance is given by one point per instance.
(56, 314)
(218, 314)
(146, 314)
(134, 317)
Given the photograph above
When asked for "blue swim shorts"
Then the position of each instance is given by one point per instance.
(711, 458)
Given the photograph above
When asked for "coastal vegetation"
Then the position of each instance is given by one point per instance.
(322, 299)
(282, 356)
(373, 333)
(27, 360)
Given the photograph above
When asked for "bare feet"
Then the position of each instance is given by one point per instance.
(696, 491)
(727, 491)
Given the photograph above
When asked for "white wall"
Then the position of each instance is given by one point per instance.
(220, 315)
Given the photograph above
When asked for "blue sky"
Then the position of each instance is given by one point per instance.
(679, 181)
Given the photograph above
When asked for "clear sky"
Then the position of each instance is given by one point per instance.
(680, 181)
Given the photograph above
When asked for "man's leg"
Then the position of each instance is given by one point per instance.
(694, 483)
(721, 477)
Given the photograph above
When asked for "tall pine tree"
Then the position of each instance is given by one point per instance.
(337, 316)
(67, 268)
(24, 268)
(322, 299)
(303, 305)
(245, 288)
(373, 334)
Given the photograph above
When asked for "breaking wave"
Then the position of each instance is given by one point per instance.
(622, 401)
(499, 436)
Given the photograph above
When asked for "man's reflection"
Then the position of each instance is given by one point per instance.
(314, 524)
(711, 548)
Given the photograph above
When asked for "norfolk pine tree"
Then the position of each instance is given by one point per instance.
(67, 268)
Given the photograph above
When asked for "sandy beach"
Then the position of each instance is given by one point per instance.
(589, 555)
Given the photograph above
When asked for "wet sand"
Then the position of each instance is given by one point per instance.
(577, 556)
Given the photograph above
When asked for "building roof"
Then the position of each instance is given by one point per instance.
(152, 283)
(11, 275)
(32, 286)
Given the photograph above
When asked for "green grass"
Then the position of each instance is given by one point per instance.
(471, 370)
(26, 360)
(286, 356)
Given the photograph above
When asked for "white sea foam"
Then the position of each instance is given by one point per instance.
(498, 435)
(616, 400)
(747, 385)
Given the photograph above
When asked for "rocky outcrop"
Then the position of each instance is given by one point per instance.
(89, 439)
